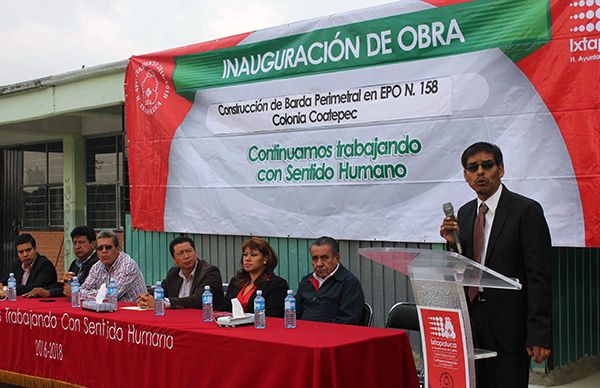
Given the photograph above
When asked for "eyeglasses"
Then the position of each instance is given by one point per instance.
(486, 165)
(105, 247)
(181, 253)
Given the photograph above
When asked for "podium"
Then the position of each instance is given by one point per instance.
(438, 279)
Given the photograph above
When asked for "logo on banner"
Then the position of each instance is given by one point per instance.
(446, 380)
(151, 86)
(584, 16)
(442, 327)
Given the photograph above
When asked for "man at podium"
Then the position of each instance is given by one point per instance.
(508, 233)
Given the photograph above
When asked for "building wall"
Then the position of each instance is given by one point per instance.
(50, 244)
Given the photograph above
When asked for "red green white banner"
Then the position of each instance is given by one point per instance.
(353, 125)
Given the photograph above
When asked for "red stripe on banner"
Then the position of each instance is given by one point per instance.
(153, 112)
(566, 74)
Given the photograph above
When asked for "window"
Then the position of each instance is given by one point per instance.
(42, 185)
(107, 188)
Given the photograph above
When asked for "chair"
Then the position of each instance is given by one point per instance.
(404, 315)
(366, 318)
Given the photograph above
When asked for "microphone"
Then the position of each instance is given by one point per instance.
(449, 212)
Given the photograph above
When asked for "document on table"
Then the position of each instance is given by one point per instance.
(134, 308)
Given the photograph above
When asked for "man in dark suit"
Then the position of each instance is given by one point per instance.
(84, 247)
(32, 270)
(512, 238)
(331, 293)
(185, 281)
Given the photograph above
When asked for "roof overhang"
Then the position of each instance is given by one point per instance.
(87, 102)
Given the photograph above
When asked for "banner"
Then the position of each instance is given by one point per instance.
(445, 358)
(53, 344)
(353, 125)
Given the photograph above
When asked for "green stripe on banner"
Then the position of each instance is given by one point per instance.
(520, 51)
(513, 25)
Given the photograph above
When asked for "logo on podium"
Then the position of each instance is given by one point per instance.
(444, 347)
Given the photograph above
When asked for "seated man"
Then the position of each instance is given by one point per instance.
(84, 247)
(185, 281)
(114, 265)
(32, 270)
(331, 293)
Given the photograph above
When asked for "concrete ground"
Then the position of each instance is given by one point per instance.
(592, 381)
(584, 373)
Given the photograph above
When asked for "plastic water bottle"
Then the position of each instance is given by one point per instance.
(112, 294)
(207, 308)
(159, 300)
(259, 311)
(290, 310)
(75, 293)
(12, 287)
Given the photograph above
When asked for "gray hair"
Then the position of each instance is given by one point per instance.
(326, 240)
(109, 234)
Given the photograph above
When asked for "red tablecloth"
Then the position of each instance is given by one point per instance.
(133, 348)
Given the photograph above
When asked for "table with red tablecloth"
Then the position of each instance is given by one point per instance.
(54, 341)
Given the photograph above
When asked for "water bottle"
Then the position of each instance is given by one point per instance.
(259, 311)
(290, 310)
(12, 287)
(207, 300)
(112, 294)
(159, 300)
(75, 293)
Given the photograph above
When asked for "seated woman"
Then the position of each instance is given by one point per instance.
(258, 262)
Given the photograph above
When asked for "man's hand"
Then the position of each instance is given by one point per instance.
(37, 292)
(539, 353)
(68, 276)
(447, 229)
(145, 301)
(67, 289)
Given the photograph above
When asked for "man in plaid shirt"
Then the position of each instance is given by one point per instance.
(114, 265)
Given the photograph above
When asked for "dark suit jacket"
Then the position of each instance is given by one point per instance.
(42, 274)
(56, 290)
(519, 247)
(274, 291)
(339, 300)
(206, 274)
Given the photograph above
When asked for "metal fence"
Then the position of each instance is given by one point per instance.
(11, 168)
(576, 304)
